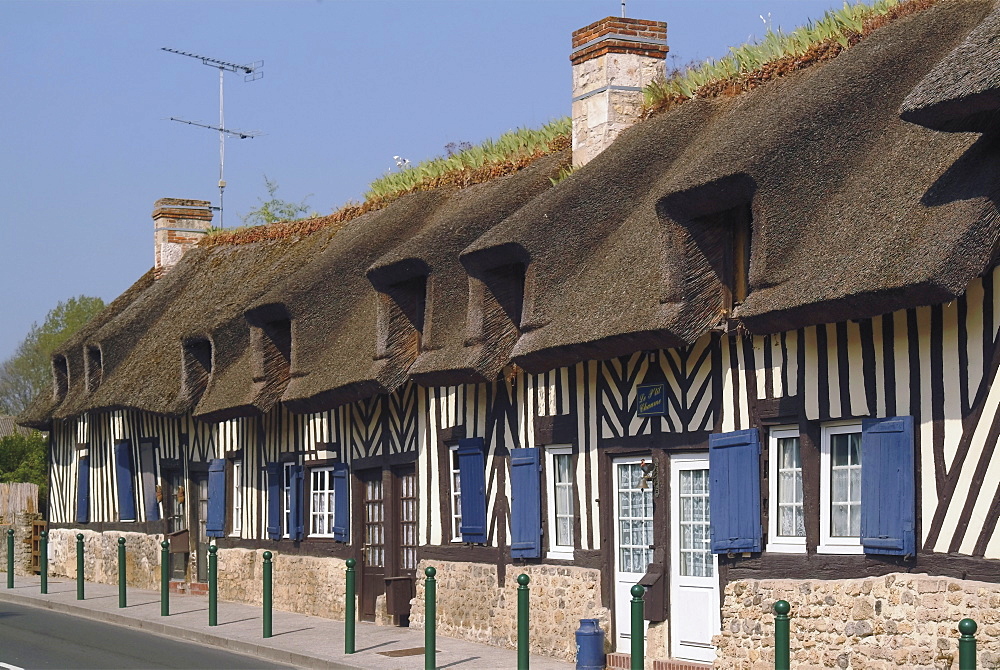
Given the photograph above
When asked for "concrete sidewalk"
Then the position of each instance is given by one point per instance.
(298, 640)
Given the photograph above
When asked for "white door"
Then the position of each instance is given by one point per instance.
(694, 569)
(633, 542)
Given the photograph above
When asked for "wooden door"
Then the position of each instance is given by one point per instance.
(373, 538)
(633, 532)
(401, 544)
(199, 519)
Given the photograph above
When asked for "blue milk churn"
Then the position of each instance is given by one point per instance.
(589, 646)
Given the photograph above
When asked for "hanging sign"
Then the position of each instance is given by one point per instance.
(651, 400)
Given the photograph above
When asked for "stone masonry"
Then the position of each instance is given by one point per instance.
(178, 226)
(895, 621)
(471, 606)
(613, 59)
(22, 542)
(100, 556)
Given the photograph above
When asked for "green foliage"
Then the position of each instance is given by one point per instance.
(563, 173)
(24, 458)
(836, 24)
(28, 372)
(274, 209)
(520, 142)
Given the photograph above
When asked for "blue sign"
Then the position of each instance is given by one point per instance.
(651, 400)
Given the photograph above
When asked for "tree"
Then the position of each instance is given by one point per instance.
(28, 372)
(24, 458)
(274, 209)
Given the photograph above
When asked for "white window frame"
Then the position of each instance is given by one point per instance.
(328, 515)
(455, 497)
(237, 527)
(286, 498)
(829, 544)
(780, 543)
(556, 550)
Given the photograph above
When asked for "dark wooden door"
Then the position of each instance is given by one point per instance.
(373, 537)
(199, 518)
(403, 544)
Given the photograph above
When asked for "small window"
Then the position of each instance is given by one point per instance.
(322, 503)
(237, 525)
(786, 519)
(286, 497)
(401, 318)
(561, 510)
(94, 367)
(840, 489)
(456, 496)
(60, 377)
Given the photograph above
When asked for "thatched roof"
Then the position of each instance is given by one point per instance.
(962, 92)
(855, 212)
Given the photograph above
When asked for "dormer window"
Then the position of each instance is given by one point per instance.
(197, 366)
(725, 237)
(401, 318)
(504, 296)
(276, 349)
(60, 377)
(94, 367)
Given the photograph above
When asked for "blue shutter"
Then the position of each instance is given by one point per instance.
(734, 491)
(125, 473)
(472, 475)
(296, 498)
(215, 524)
(526, 506)
(888, 489)
(274, 501)
(83, 489)
(341, 503)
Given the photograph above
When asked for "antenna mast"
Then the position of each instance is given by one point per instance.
(251, 72)
(623, 9)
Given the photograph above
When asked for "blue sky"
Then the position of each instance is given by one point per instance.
(86, 146)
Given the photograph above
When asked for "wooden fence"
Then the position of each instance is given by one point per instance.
(17, 498)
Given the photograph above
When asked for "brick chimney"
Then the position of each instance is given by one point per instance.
(178, 225)
(613, 59)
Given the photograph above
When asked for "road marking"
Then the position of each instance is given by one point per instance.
(10, 667)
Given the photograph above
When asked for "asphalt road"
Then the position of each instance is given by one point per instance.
(36, 639)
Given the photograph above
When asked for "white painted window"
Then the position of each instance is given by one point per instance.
(321, 503)
(237, 497)
(286, 496)
(840, 489)
(559, 494)
(456, 497)
(786, 529)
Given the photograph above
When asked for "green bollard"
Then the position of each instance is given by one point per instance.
(782, 658)
(523, 643)
(43, 559)
(430, 620)
(164, 578)
(638, 646)
(350, 613)
(967, 644)
(122, 582)
(213, 586)
(79, 566)
(10, 558)
(267, 594)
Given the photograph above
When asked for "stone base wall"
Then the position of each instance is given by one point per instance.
(22, 542)
(303, 584)
(100, 556)
(899, 620)
(471, 606)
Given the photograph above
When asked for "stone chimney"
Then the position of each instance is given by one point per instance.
(613, 59)
(178, 225)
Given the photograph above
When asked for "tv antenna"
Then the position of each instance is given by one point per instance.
(251, 72)
(623, 9)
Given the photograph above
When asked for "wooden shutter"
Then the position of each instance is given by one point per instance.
(83, 489)
(734, 491)
(146, 465)
(215, 524)
(888, 489)
(274, 501)
(125, 474)
(526, 505)
(296, 498)
(341, 503)
(472, 475)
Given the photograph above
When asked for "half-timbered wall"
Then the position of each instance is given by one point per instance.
(935, 363)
